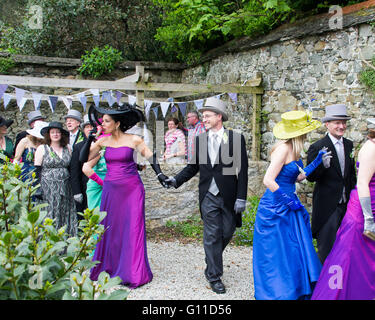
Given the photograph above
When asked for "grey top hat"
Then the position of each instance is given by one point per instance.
(74, 114)
(85, 122)
(336, 112)
(34, 115)
(216, 105)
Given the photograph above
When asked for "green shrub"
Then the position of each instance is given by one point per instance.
(37, 261)
(100, 61)
(367, 76)
(244, 235)
(6, 64)
(192, 227)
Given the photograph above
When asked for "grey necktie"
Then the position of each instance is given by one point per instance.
(341, 156)
(214, 147)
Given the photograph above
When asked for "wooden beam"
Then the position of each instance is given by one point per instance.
(119, 85)
(255, 146)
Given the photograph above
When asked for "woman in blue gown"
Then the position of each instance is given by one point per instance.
(285, 264)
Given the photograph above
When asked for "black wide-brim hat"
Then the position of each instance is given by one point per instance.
(5, 122)
(131, 113)
(54, 125)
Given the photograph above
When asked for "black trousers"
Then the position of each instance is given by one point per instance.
(326, 236)
(219, 224)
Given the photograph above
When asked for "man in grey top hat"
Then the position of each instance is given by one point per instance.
(220, 158)
(334, 179)
(72, 121)
(32, 117)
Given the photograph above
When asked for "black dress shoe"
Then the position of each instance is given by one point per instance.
(217, 286)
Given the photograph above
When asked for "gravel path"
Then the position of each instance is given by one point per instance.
(178, 273)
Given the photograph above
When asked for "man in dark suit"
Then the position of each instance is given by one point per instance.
(220, 158)
(334, 179)
(78, 179)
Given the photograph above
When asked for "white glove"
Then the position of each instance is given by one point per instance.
(78, 197)
(326, 158)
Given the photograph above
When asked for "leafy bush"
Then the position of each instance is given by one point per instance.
(192, 227)
(367, 76)
(6, 64)
(244, 235)
(36, 260)
(100, 61)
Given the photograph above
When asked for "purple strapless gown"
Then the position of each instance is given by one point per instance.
(122, 251)
(349, 270)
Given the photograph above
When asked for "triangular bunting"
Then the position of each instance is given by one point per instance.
(3, 88)
(147, 104)
(132, 99)
(118, 96)
(7, 98)
(233, 96)
(19, 95)
(52, 101)
(82, 97)
(199, 103)
(164, 108)
(67, 101)
(37, 98)
(22, 103)
(155, 112)
(96, 100)
(182, 107)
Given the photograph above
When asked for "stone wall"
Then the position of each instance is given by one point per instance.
(298, 62)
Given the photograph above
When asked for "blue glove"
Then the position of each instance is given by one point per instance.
(315, 163)
(285, 199)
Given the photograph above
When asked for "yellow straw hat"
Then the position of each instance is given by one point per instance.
(294, 124)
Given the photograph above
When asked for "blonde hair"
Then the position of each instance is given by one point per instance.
(296, 142)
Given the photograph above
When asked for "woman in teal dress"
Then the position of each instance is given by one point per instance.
(96, 167)
(285, 264)
(6, 144)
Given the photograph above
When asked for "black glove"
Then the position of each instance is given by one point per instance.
(156, 167)
(85, 151)
(39, 192)
(171, 182)
(239, 207)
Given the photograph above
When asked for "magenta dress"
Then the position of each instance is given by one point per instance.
(349, 270)
(122, 251)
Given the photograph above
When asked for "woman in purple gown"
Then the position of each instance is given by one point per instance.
(349, 270)
(122, 250)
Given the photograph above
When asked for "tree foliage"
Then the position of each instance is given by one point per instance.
(192, 27)
(70, 27)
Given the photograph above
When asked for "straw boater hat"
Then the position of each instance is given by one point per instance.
(215, 105)
(34, 115)
(336, 112)
(294, 124)
(56, 125)
(39, 125)
(74, 114)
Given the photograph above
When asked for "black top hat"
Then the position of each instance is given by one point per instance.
(4, 122)
(131, 113)
(56, 125)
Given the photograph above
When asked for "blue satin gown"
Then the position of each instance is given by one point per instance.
(285, 263)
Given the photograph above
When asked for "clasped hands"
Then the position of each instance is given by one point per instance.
(167, 182)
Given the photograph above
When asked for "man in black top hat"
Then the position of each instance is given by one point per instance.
(334, 179)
